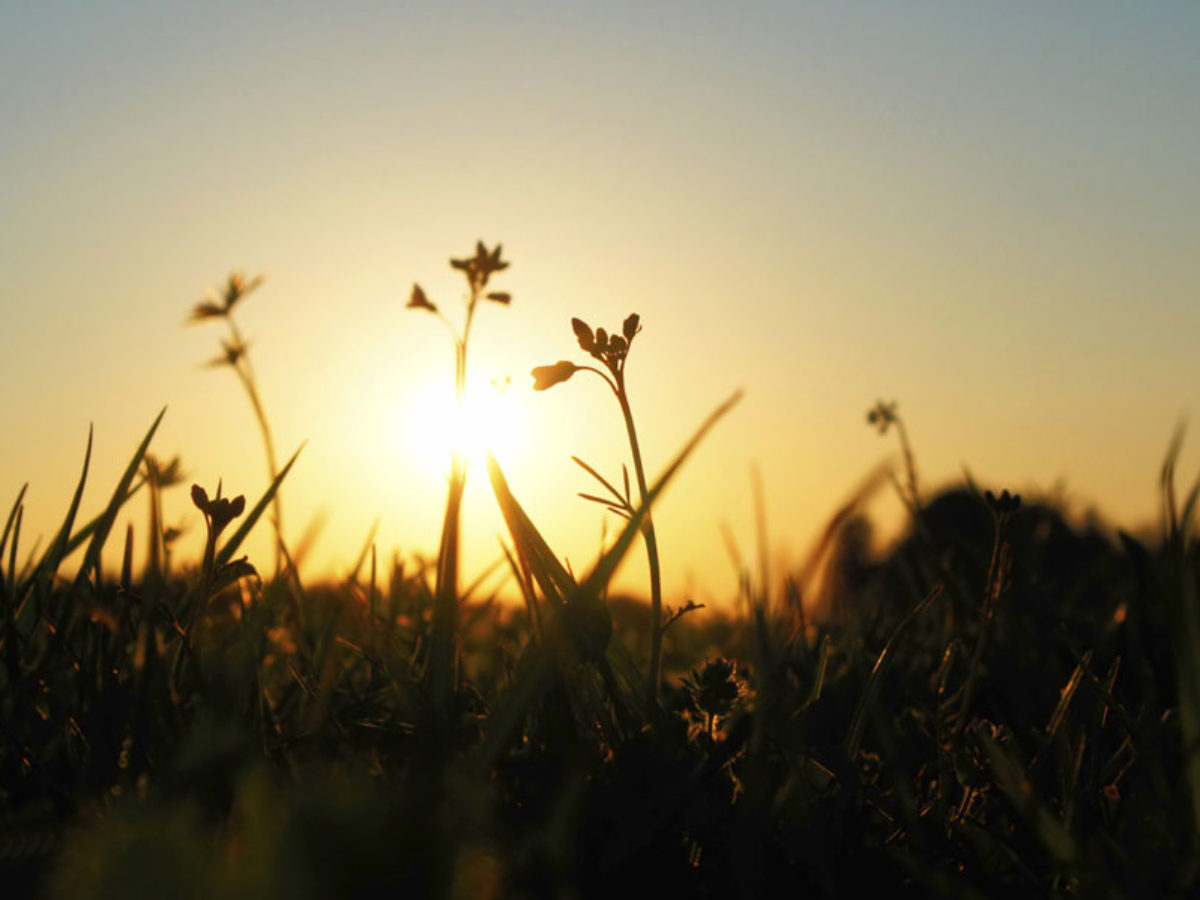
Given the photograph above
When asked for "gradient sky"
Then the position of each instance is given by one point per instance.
(991, 215)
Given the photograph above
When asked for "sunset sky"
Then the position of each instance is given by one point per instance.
(990, 215)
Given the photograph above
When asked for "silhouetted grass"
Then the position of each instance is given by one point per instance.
(1001, 704)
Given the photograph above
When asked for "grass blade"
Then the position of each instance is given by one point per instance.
(12, 515)
(85, 533)
(53, 557)
(871, 690)
(104, 522)
(603, 571)
(532, 550)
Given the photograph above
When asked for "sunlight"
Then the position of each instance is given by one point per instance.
(432, 425)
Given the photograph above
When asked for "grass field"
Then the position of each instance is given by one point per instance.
(1004, 702)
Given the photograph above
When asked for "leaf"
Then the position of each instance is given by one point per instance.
(105, 523)
(607, 504)
(49, 563)
(206, 309)
(500, 297)
(1010, 776)
(12, 515)
(533, 552)
(231, 572)
(87, 530)
(600, 478)
(603, 571)
(875, 680)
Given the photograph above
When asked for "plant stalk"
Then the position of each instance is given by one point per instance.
(648, 535)
(246, 375)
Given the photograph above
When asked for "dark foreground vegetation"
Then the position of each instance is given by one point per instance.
(1004, 703)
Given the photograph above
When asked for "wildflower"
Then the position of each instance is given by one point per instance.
(231, 355)
(480, 267)
(418, 300)
(219, 511)
(164, 474)
(219, 305)
(882, 415)
(1003, 506)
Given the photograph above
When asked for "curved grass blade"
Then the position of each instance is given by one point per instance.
(882, 664)
(105, 520)
(49, 563)
(86, 532)
(367, 547)
(12, 515)
(532, 550)
(235, 540)
(1010, 776)
(602, 573)
(556, 583)
(10, 585)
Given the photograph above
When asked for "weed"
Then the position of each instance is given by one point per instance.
(478, 271)
(612, 351)
(235, 353)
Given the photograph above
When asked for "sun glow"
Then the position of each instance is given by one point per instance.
(434, 425)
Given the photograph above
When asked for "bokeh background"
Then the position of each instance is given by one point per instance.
(991, 215)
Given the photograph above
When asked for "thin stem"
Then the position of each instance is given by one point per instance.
(910, 466)
(648, 535)
(245, 373)
(994, 586)
(154, 566)
(445, 616)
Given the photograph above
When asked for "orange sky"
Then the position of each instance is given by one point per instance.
(990, 216)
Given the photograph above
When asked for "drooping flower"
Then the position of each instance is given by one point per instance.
(548, 376)
(418, 300)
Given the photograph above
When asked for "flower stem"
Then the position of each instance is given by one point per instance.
(656, 623)
(445, 614)
(246, 375)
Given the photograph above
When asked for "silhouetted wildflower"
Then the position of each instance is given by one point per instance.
(219, 511)
(882, 415)
(418, 300)
(219, 304)
(480, 267)
(1003, 506)
(231, 355)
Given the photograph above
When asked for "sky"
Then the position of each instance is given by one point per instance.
(989, 215)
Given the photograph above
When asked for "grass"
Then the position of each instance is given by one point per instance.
(1002, 703)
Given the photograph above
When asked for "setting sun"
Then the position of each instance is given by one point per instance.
(434, 425)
